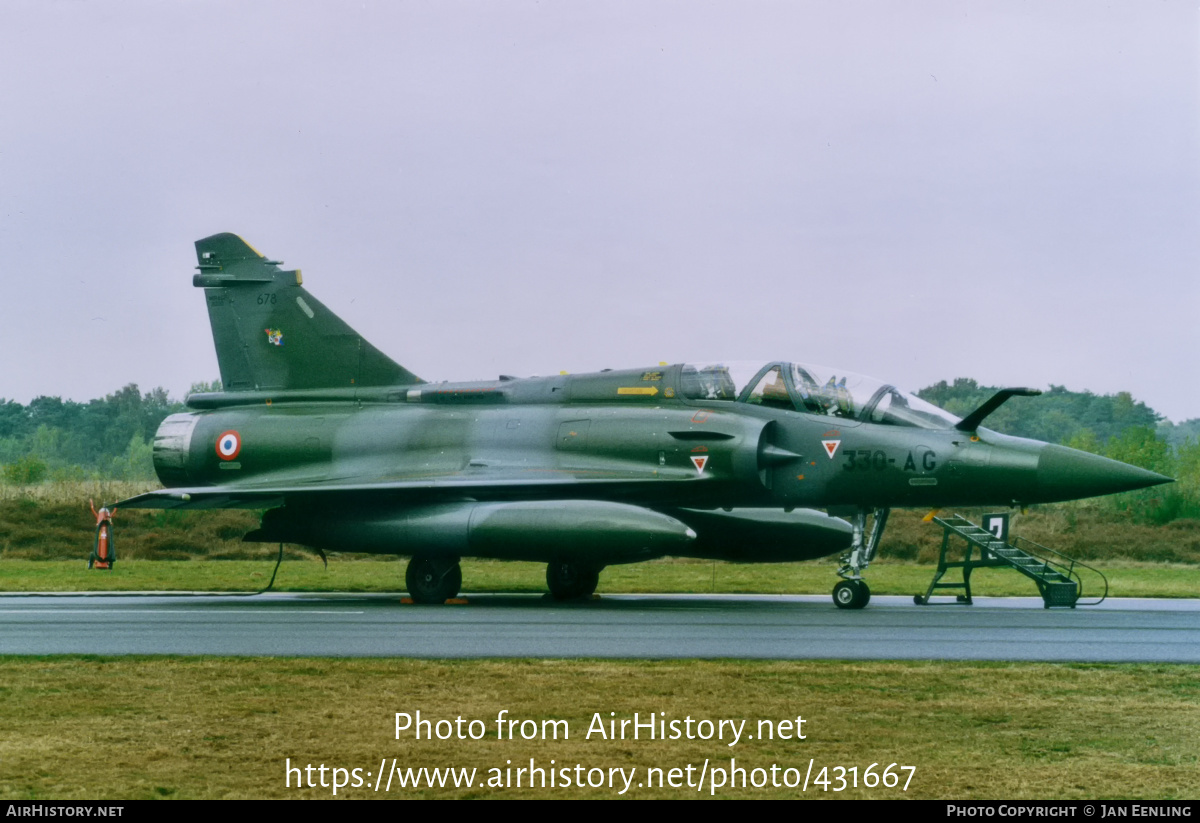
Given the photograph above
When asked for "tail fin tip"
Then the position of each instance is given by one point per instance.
(271, 333)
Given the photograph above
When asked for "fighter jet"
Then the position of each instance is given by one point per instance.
(347, 450)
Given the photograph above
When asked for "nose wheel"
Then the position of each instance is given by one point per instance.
(851, 594)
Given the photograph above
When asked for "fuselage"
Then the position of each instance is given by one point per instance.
(641, 436)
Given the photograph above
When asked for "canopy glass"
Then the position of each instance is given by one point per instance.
(812, 390)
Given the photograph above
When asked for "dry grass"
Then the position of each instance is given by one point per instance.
(78, 491)
(215, 728)
(1081, 530)
(53, 529)
(52, 520)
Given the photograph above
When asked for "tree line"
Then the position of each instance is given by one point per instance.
(106, 438)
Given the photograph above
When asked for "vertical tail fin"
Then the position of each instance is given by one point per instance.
(270, 333)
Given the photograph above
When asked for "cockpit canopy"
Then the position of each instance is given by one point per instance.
(811, 390)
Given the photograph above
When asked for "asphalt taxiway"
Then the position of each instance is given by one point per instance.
(613, 626)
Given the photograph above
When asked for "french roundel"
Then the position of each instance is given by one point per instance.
(229, 445)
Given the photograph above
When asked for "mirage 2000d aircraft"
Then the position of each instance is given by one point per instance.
(349, 451)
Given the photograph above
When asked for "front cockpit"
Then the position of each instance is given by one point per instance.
(809, 389)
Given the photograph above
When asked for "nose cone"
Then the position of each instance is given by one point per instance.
(1069, 474)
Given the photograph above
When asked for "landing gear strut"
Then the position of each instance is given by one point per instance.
(571, 580)
(433, 579)
(852, 592)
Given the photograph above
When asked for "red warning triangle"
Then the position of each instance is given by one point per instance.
(700, 463)
(831, 447)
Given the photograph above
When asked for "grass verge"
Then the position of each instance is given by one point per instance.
(1126, 578)
(42, 525)
(129, 728)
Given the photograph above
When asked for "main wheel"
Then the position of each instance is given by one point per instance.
(851, 594)
(432, 580)
(570, 580)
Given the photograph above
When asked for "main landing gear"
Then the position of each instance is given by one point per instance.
(571, 580)
(438, 579)
(853, 592)
(433, 579)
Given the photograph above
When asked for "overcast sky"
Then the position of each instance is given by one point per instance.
(1008, 191)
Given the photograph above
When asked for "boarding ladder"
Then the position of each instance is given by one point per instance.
(1056, 575)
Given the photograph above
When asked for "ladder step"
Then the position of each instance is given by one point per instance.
(1060, 594)
(1058, 589)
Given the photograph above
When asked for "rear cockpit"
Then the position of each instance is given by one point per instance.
(812, 390)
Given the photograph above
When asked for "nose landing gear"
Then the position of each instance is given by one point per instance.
(853, 592)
